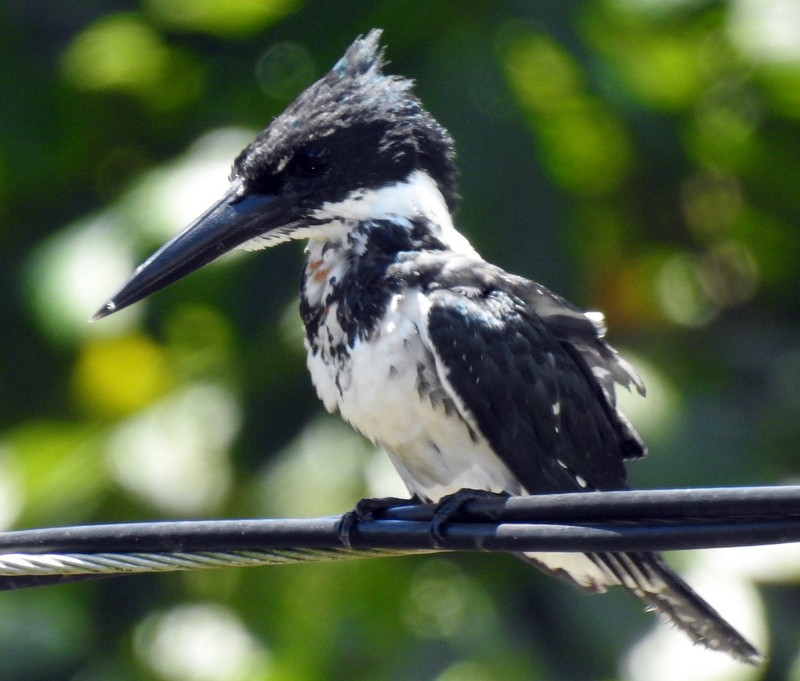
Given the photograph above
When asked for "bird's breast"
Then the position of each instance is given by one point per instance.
(388, 386)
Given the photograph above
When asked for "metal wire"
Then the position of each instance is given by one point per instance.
(607, 521)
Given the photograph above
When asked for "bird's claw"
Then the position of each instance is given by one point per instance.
(445, 511)
(367, 509)
(450, 506)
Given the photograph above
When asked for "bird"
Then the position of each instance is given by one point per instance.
(469, 377)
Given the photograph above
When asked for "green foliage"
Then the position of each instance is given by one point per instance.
(640, 156)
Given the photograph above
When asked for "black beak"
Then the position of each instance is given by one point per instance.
(230, 222)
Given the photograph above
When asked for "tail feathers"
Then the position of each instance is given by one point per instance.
(647, 576)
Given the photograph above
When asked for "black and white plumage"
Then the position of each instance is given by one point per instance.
(468, 376)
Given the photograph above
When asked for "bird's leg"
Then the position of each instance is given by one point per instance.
(451, 505)
(369, 509)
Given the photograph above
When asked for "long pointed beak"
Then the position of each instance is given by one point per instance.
(230, 222)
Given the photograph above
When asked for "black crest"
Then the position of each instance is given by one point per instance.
(365, 55)
(354, 128)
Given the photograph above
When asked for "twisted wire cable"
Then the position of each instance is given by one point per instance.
(597, 522)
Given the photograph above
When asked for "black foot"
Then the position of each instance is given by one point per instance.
(451, 505)
(368, 509)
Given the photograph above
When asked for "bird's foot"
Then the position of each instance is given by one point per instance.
(451, 505)
(368, 509)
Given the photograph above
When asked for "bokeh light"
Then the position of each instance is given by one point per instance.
(200, 642)
(122, 53)
(229, 18)
(175, 454)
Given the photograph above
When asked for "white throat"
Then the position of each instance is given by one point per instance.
(333, 244)
(416, 197)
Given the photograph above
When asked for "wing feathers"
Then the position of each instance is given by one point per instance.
(529, 390)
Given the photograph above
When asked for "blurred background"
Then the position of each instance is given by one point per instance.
(641, 157)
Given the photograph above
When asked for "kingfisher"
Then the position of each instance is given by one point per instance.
(469, 377)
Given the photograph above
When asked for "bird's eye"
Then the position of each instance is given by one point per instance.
(312, 159)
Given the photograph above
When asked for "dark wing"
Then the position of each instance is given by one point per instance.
(533, 373)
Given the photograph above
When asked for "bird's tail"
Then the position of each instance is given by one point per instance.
(649, 577)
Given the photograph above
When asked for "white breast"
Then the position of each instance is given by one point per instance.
(377, 391)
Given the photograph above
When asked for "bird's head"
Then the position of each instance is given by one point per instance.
(355, 145)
